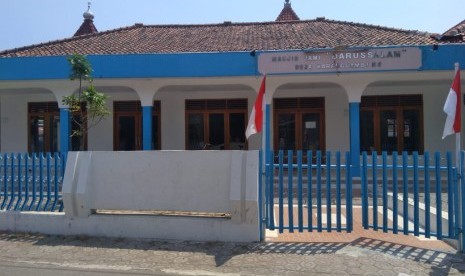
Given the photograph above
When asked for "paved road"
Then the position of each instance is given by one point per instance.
(19, 269)
(28, 254)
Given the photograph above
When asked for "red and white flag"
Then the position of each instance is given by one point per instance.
(452, 108)
(256, 116)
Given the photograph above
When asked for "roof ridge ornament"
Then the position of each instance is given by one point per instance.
(87, 27)
(88, 14)
(287, 13)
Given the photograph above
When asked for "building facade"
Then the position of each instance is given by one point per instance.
(331, 85)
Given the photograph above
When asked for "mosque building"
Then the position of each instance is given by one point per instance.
(331, 85)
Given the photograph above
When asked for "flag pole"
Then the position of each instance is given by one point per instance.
(457, 135)
(459, 169)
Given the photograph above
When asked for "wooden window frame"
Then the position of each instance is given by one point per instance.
(399, 108)
(47, 110)
(136, 111)
(298, 110)
(206, 111)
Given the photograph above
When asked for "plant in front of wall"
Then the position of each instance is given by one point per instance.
(87, 105)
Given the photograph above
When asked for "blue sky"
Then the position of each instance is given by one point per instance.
(26, 22)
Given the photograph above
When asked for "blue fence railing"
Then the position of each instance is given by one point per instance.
(308, 191)
(420, 190)
(31, 182)
(398, 193)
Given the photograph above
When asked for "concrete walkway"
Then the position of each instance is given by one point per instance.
(363, 256)
(358, 232)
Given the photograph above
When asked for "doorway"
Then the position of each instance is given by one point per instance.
(127, 135)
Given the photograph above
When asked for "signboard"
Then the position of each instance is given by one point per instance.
(376, 59)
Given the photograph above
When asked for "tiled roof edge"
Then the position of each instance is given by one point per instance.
(73, 38)
(226, 23)
(455, 27)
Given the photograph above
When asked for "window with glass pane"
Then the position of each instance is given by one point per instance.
(128, 124)
(36, 134)
(236, 131)
(299, 124)
(396, 121)
(411, 130)
(54, 133)
(286, 132)
(127, 133)
(311, 131)
(196, 138)
(216, 124)
(44, 127)
(388, 131)
(216, 131)
(367, 131)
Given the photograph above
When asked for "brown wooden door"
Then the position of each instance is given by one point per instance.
(127, 133)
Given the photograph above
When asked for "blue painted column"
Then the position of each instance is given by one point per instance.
(354, 115)
(147, 127)
(64, 130)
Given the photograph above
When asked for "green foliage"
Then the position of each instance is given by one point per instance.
(88, 106)
(80, 67)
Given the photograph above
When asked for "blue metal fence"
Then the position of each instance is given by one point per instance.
(420, 190)
(31, 182)
(398, 193)
(304, 189)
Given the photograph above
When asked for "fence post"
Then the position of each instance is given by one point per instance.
(300, 191)
(328, 191)
(405, 191)
(374, 162)
(462, 204)
(26, 182)
(12, 181)
(290, 203)
(309, 191)
(427, 196)
(364, 191)
(20, 188)
(395, 210)
(349, 194)
(437, 166)
(450, 199)
(416, 197)
(385, 192)
(281, 191)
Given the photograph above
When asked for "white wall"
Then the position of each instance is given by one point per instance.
(145, 180)
(193, 181)
(434, 118)
(137, 227)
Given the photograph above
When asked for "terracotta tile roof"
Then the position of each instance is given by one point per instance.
(287, 14)
(285, 35)
(455, 34)
(87, 27)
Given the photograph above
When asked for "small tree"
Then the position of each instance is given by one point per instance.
(87, 106)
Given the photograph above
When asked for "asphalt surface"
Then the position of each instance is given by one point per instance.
(31, 254)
